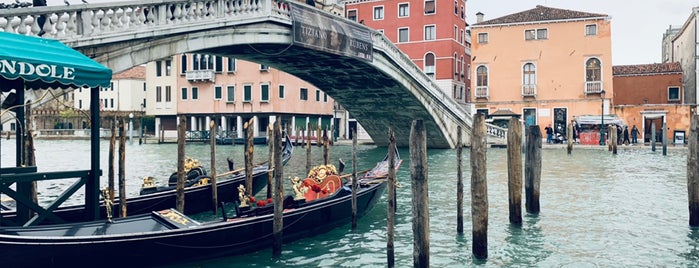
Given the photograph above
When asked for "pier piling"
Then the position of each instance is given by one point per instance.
(249, 150)
(693, 171)
(354, 179)
(479, 188)
(122, 169)
(278, 189)
(664, 138)
(459, 183)
(532, 169)
(214, 189)
(181, 130)
(391, 212)
(514, 170)
(271, 139)
(570, 137)
(614, 139)
(419, 182)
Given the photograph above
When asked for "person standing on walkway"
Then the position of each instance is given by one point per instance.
(626, 135)
(634, 134)
(549, 134)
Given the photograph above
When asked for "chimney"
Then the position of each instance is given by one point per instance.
(479, 17)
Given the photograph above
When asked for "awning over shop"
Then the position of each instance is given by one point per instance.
(609, 119)
(45, 63)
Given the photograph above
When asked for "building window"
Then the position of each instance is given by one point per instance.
(481, 82)
(378, 13)
(533, 34)
(231, 65)
(429, 64)
(230, 93)
(593, 76)
(403, 10)
(80, 104)
(542, 34)
(247, 93)
(317, 95)
(183, 64)
(264, 93)
(158, 94)
(183, 93)
(281, 91)
(430, 7)
(218, 67)
(482, 38)
(673, 94)
(430, 32)
(352, 15)
(158, 68)
(195, 93)
(403, 35)
(591, 29)
(325, 97)
(168, 94)
(264, 67)
(303, 94)
(456, 8)
(218, 92)
(529, 80)
(111, 101)
(168, 67)
(529, 34)
(195, 61)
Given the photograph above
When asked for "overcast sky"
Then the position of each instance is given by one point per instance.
(637, 25)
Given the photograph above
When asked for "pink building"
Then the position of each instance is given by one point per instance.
(547, 64)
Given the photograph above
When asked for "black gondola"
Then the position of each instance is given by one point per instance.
(166, 236)
(166, 197)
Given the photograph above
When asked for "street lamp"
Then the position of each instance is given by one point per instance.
(601, 125)
(130, 128)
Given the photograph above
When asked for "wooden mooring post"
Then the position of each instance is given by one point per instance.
(664, 138)
(181, 176)
(693, 171)
(270, 159)
(570, 137)
(479, 188)
(614, 139)
(514, 170)
(459, 183)
(421, 208)
(391, 211)
(278, 190)
(355, 184)
(532, 169)
(112, 154)
(214, 189)
(308, 147)
(248, 129)
(122, 169)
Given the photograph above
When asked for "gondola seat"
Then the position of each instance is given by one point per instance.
(316, 190)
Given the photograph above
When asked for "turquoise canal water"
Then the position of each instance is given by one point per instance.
(597, 209)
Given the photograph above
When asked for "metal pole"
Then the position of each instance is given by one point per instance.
(601, 125)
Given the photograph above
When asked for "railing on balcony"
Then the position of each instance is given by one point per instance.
(593, 87)
(200, 75)
(529, 90)
(482, 92)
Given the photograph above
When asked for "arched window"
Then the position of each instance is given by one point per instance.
(482, 82)
(529, 79)
(429, 64)
(456, 65)
(183, 64)
(593, 76)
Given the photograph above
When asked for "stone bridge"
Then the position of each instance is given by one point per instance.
(389, 91)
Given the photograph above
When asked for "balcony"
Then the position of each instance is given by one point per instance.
(529, 90)
(593, 87)
(482, 92)
(201, 75)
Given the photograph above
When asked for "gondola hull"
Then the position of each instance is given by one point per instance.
(144, 241)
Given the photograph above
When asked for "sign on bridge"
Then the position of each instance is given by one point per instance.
(318, 30)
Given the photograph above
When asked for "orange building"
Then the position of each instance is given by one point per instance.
(433, 34)
(652, 93)
(547, 64)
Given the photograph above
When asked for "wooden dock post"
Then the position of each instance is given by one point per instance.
(122, 168)
(214, 189)
(391, 212)
(249, 150)
(278, 190)
(570, 137)
(326, 148)
(271, 139)
(664, 138)
(419, 182)
(459, 183)
(614, 139)
(181, 176)
(532, 169)
(479, 188)
(514, 170)
(652, 136)
(354, 179)
(308, 148)
(112, 154)
(693, 171)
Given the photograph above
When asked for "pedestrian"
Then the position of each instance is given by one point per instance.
(626, 135)
(634, 134)
(549, 134)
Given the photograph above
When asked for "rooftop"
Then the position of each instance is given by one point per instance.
(138, 72)
(647, 69)
(540, 14)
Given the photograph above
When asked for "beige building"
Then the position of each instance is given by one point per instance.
(546, 64)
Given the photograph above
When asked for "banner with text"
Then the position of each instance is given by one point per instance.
(318, 30)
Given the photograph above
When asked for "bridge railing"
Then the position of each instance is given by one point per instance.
(133, 16)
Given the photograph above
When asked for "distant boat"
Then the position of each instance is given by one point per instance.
(229, 140)
(167, 236)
